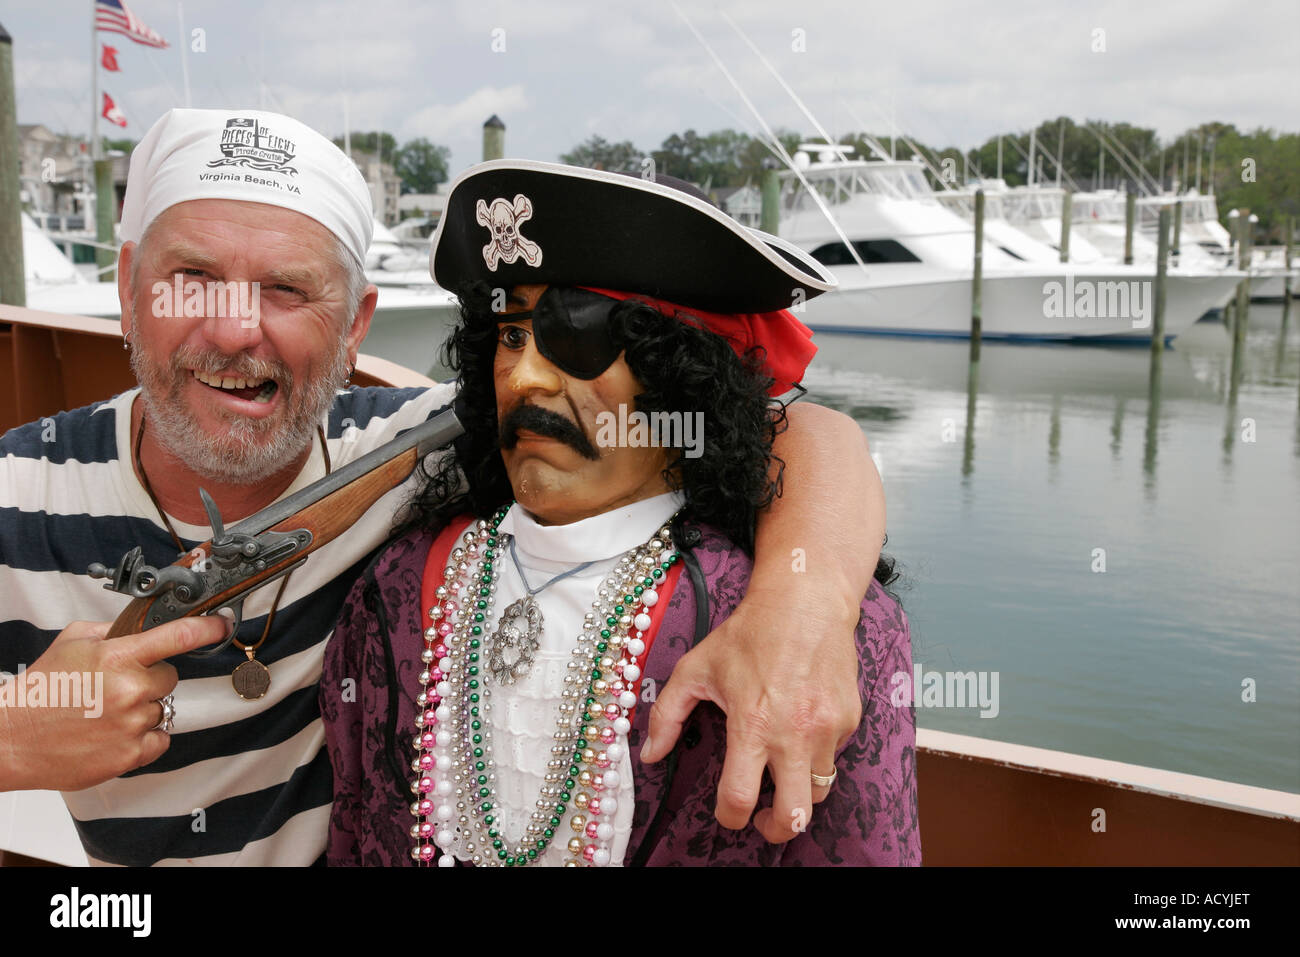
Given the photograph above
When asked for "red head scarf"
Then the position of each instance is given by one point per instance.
(786, 341)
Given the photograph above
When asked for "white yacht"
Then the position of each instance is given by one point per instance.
(54, 284)
(1203, 243)
(917, 264)
(1268, 274)
(394, 261)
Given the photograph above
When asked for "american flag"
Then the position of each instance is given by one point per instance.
(114, 17)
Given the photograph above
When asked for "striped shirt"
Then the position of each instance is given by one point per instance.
(244, 782)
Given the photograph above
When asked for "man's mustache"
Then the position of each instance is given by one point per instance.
(186, 358)
(552, 425)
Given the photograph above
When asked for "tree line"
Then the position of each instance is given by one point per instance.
(420, 165)
(1257, 170)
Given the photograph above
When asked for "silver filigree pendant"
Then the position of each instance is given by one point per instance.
(513, 646)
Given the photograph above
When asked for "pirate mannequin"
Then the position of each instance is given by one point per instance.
(510, 643)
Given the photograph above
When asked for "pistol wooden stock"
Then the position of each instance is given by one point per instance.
(326, 520)
(326, 516)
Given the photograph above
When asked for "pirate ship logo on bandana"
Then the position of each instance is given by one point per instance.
(506, 243)
(252, 144)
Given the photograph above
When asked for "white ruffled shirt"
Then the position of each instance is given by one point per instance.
(523, 714)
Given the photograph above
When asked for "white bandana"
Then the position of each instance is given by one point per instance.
(247, 155)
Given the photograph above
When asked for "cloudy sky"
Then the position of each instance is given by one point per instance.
(952, 73)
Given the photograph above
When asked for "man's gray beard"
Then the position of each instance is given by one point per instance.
(237, 457)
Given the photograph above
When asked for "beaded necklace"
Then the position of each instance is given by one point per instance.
(456, 801)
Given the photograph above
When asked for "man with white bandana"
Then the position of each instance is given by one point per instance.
(181, 768)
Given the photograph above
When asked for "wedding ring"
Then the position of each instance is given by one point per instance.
(824, 780)
(168, 713)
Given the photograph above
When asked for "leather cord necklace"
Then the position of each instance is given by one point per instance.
(251, 678)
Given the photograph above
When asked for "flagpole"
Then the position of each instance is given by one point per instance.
(185, 57)
(94, 86)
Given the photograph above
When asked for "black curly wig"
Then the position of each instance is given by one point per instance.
(683, 369)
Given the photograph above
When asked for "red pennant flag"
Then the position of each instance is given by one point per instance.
(109, 59)
(112, 113)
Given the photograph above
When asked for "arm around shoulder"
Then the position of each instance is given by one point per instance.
(828, 525)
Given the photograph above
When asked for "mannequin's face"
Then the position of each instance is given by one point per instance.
(550, 424)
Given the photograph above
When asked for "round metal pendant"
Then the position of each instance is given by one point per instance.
(251, 680)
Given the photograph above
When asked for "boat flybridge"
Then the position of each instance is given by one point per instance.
(1201, 227)
(1023, 221)
(1203, 243)
(916, 265)
(1098, 224)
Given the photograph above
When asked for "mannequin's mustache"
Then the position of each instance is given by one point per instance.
(546, 423)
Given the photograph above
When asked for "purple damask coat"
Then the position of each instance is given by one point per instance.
(869, 817)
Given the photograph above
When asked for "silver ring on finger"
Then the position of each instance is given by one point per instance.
(825, 780)
(168, 714)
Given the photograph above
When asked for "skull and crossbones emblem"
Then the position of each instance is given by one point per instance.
(506, 243)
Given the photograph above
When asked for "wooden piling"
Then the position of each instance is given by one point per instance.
(1290, 241)
(1130, 216)
(1162, 267)
(105, 213)
(1286, 279)
(1178, 230)
(13, 282)
(1244, 252)
(977, 280)
(1067, 204)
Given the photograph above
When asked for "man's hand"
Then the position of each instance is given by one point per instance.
(790, 707)
(784, 665)
(66, 749)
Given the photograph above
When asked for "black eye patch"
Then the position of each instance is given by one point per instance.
(571, 329)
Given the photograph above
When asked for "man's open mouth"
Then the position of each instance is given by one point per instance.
(252, 390)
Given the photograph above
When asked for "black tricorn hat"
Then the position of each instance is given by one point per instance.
(516, 222)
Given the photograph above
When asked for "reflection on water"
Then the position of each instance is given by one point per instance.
(1114, 533)
(1011, 480)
